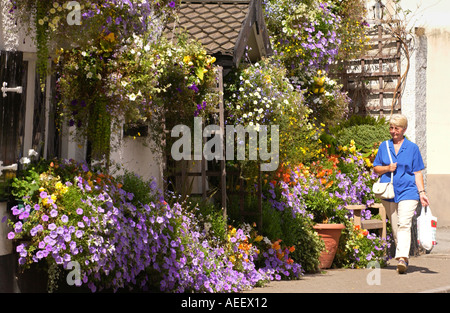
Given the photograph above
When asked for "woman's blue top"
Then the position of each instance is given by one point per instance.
(409, 160)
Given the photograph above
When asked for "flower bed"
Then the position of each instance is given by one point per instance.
(321, 191)
(75, 215)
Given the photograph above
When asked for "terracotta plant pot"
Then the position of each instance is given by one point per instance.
(330, 234)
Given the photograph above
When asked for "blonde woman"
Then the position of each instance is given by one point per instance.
(407, 165)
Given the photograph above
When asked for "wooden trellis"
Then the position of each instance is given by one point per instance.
(200, 172)
(185, 173)
(374, 82)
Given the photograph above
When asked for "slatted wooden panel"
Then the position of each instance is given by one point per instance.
(184, 174)
(373, 80)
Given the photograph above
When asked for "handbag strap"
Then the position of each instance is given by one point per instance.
(390, 158)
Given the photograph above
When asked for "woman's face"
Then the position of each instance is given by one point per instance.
(397, 132)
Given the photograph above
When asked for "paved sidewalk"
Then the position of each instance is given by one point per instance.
(428, 273)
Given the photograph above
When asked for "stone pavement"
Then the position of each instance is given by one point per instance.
(427, 273)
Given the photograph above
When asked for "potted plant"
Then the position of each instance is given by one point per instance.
(330, 221)
(330, 234)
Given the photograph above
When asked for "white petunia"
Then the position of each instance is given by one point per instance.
(24, 160)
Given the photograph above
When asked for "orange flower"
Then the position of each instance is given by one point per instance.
(292, 249)
(280, 255)
(276, 245)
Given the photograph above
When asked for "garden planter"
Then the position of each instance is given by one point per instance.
(330, 234)
(33, 279)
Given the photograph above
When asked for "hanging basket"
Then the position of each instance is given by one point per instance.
(330, 234)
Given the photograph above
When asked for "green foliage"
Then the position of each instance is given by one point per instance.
(143, 191)
(364, 136)
(356, 120)
(209, 216)
(323, 207)
(294, 230)
(27, 182)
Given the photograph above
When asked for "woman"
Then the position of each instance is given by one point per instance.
(407, 166)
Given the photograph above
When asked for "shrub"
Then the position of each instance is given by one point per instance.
(364, 136)
(143, 191)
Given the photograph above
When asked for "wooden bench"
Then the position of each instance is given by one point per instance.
(372, 223)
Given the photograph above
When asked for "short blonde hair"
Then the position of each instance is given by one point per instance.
(399, 120)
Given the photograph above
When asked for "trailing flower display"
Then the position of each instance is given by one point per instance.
(61, 23)
(72, 213)
(261, 94)
(114, 82)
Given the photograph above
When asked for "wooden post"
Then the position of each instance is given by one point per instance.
(260, 215)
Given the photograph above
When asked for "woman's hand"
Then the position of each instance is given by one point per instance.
(420, 188)
(382, 169)
(392, 167)
(424, 199)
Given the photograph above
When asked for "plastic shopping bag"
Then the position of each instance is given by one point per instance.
(426, 229)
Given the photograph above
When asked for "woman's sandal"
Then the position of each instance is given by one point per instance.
(402, 266)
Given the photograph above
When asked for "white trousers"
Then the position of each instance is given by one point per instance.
(400, 215)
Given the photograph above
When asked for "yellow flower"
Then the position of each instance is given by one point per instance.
(352, 149)
(187, 59)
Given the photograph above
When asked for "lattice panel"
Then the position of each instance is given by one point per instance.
(374, 80)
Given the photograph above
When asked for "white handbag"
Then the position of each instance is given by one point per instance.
(385, 190)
